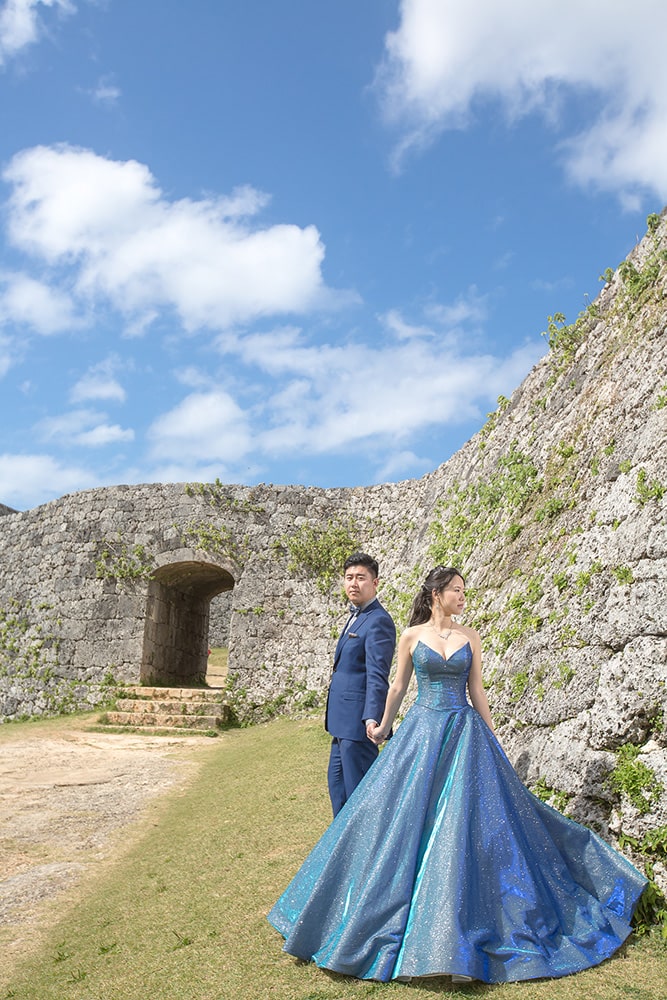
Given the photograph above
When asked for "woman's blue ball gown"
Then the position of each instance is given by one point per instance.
(442, 862)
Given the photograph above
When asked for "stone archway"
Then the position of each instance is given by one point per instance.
(175, 646)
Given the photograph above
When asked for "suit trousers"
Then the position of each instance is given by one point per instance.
(348, 762)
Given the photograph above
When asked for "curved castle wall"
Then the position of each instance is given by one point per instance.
(555, 511)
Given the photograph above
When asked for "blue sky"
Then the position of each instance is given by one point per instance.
(298, 242)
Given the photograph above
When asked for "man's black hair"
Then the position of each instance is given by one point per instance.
(362, 559)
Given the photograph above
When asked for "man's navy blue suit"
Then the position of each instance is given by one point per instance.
(357, 692)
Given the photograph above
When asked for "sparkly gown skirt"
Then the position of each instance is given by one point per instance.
(442, 862)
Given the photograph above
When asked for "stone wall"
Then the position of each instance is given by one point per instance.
(220, 615)
(555, 512)
(114, 585)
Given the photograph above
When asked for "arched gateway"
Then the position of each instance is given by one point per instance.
(175, 644)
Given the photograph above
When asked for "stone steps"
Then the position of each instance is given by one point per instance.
(171, 706)
(177, 709)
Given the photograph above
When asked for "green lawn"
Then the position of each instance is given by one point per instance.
(180, 915)
(218, 658)
(216, 668)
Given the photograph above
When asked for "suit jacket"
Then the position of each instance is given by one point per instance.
(360, 678)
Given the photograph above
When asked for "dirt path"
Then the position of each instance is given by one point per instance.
(65, 796)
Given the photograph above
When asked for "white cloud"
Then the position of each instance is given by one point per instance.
(204, 427)
(328, 398)
(106, 92)
(104, 434)
(208, 259)
(445, 322)
(449, 57)
(86, 428)
(27, 301)
(545, 285)
(402, 330)
(469, 309)
(359, 393)
(97, 386)
(6, 355)
(504, 260)
(24, 477)
(194, 378)
(402, 464)
(99, 382)
(21, 25)
(140, 324)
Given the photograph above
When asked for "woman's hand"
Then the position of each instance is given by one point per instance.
(375, 734)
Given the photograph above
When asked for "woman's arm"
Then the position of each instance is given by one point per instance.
(397, 689)
(475, 686)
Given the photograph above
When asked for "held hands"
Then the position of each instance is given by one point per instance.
(374, 732)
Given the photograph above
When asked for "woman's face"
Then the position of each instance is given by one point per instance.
(452, 597)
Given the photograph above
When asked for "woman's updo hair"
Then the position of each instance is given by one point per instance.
(436, 581)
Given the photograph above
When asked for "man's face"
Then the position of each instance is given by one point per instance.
(360, 584)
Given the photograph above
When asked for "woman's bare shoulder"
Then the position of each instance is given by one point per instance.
(414, 630)
(411, 636)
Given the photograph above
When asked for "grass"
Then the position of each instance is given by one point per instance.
(181, 913)
(218, 658)
(38, 726)
(100, 726)
(218, 662)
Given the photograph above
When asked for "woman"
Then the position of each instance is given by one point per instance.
(442, 862)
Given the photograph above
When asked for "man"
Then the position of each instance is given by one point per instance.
(359, 681)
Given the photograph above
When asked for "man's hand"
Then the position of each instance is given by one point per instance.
(374, 732)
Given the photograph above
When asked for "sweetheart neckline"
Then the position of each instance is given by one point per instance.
(445, 659)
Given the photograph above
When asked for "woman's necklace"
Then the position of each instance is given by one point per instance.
(443, 635)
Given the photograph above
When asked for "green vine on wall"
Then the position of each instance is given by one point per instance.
(23, 643)
(117, 561)
(213, 538)
(294, 697)
(216, 494)
(638, 284)
(565, 338)
(398, 596)
(638, 781)
(29, 656)
(492, 420)
(319, 551)
(555, 797)
(635, 779)
(477, 512)
(647, 491)
(216, 539)
(518, 617)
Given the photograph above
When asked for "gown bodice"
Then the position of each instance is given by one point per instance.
(441, 682)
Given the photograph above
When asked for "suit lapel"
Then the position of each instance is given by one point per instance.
(358, 627)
